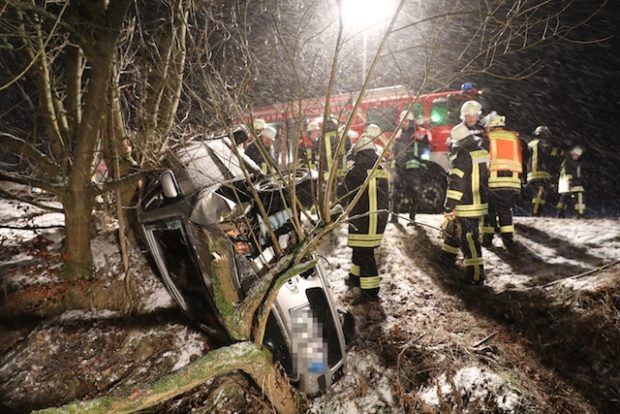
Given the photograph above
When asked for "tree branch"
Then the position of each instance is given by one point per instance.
(244, 356)
(35, 157)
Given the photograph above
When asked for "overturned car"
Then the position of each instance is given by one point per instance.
(204, 208)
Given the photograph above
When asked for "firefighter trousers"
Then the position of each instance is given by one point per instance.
(364, 272)
(464, 235)
(499, 217)
(575, 199)
(539, 190)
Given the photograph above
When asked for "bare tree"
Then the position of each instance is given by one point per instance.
(104, 87)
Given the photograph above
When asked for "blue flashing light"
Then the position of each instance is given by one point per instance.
(467, 86)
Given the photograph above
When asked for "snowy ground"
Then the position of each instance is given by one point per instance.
(432, 320)
(542, 335)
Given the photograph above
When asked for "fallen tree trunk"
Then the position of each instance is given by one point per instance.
(243, 356)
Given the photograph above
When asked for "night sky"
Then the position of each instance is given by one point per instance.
(576, 94)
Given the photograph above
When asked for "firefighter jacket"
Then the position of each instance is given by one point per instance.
(505, 160)
(410, 148)
(542, 156)
(327, 146)
(400, 149)
(370, 213)
(265, 164)
(571, 180)
(306, 153)
(467, 178)
(461, 130)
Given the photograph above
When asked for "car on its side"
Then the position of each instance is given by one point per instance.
(201, 215)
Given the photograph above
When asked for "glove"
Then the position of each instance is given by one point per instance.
(450, 215)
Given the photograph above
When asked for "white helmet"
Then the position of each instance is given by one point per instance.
(471, 108)
(258, 124)
(269, 132)
(352, 135)
(542, 131)
(313, 126)
(577, 150)
(493, 120)
(372, 131)
(407, 114)
(363, 144)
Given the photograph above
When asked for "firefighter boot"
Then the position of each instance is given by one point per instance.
(394, 218)
(508, 240)
(411, 219)
(352, 281)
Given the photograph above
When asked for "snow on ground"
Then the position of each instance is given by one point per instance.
(411, 303)
(428, 321)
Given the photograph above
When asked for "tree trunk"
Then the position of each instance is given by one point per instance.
(78, 205)
(243, 356)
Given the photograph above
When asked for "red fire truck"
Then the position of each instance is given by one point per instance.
(435, 112)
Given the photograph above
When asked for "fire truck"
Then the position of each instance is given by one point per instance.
(436, 113)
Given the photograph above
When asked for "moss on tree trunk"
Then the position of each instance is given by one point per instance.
(243, 356)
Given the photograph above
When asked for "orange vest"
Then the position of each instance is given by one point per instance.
(505, 156)
(505, 151)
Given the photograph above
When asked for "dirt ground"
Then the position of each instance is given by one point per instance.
(433, 345)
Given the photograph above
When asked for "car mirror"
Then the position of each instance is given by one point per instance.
(169, 184)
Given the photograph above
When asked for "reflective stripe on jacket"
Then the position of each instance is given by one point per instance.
(467, 180)
(570, 177)
(505, 159)
(540, 160)
(369, 215)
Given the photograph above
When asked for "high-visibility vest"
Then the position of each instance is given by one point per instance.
(505, 159)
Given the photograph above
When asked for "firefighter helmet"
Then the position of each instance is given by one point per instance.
(467, 86)
(493, 120)
(577, 150)
(471, 108)
(372, 131)
(542, 131)
(352, 135)
(269, 132)
(408, 114)
(331, 125)
(258, 124)
(313, 126)
(363, 144)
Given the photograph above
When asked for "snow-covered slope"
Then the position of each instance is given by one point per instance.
(541, 336)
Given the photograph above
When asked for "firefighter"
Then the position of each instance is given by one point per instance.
(570, 186)
(409, 149)
(541, 159)
(368, 216)
(307, 155)
(372, 132)
(264, 159)
(466, 198)
(327, 147)
(258, 125)
(505, 172)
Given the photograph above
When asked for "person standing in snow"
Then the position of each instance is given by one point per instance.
(570, 186)
(466, 197)
(368, 217)
(327, 148)
(542, 156)
(409, 149)
(505, 172)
